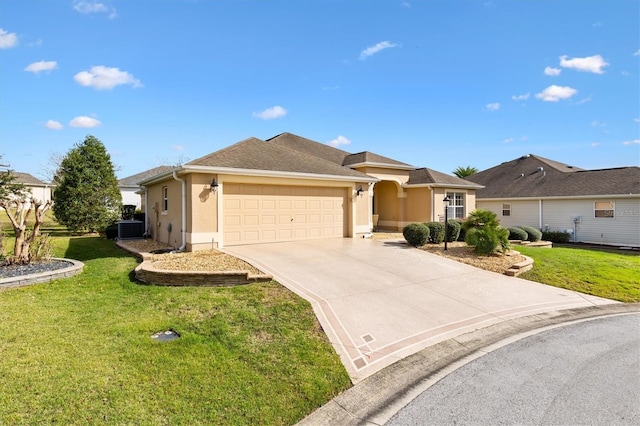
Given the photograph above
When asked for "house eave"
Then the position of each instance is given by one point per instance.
(441, 185)
(381, 165)
(258, 173)
(559, 197)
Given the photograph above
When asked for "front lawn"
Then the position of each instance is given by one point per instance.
(610, 274)
(79, 350)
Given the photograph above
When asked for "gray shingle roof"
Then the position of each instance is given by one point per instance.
(370, 157)
(424, 176)
(309, 147)
(534, 176)
(256, 154)
(139, 177)
(27, 179)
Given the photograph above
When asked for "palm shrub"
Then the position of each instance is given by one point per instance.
(516, 233)
(453, 230)
(533, 233)
(483, 231)
(416, 234)
(436, 232)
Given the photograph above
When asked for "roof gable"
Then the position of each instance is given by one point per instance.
(256, 154)
(309, 147)
(533, 176)
(27, 179)
(425, 176)
(367, 157)
(139, 177)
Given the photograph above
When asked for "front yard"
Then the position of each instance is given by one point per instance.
(79, 350)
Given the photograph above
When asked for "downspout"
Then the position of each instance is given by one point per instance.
(146, 210)
(184, 213)
(540, 214)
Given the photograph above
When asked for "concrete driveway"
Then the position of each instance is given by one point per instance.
(380, 301)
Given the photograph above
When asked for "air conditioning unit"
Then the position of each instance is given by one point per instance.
(130, 229)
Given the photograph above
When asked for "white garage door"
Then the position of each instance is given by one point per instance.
(273, 213)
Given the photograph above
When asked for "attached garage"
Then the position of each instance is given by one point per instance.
(255, 213)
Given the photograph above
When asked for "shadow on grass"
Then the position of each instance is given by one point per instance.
(87, 248)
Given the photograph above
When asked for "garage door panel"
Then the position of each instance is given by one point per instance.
(272, 213)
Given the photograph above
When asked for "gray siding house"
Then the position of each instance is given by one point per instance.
(595, 206)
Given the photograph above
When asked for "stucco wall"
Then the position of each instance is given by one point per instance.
(418, 205)
(160, 219)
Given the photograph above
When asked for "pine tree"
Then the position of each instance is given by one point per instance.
(87, 197)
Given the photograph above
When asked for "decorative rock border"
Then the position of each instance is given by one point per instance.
(520, 267)
(75, 268)
(147, 273)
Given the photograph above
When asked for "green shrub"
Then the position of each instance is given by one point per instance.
(516, 233)
(533, 233)
(556, 236)
(453, 230)
(483, 231)
(416, 234)
(462, 230)
(436, 232)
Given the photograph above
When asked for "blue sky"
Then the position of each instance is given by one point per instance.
(434, 83)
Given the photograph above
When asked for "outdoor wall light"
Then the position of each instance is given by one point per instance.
(359, 191)
(214, 185)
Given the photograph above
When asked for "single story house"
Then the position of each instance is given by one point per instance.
(291, 188)
(129, 188)
(39, 189)
(595, 206)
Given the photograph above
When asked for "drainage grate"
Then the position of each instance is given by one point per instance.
(165, 336)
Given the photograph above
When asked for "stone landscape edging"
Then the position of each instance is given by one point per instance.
(41, 277)
(147, 273)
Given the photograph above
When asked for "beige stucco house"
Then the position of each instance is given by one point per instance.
(291, 188)
(595, 206)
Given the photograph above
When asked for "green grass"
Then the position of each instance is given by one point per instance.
(78, 350)
(613, 274)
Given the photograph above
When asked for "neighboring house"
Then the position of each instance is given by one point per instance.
(596, 206)
(130, 189)
(39, 189)
(291, 188)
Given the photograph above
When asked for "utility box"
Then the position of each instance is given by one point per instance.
(130, 229)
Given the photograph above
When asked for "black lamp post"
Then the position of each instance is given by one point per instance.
(446, 219)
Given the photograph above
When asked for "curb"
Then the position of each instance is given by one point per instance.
(377, 398)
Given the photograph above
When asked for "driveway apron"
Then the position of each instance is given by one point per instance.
(380, 301)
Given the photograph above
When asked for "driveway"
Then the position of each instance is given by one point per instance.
(380, 301)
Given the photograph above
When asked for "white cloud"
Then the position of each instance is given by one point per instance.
(271, 113)
(7, 40)
(597, 24)
(493, 106)
(633, 142)
(520, 97)
(636, 53)
(406, 4)
(86, 7)
(84, 121)
(585, 100)
(592, 64)
(637, 120)
(625, 73)
(555, 93)
(372, 50)
(102, 78)
(508, 140)
(552, 71)
(177, 147)
(38, 67)
(596, 123)
(595, 143)
(340, 140)
(53, 125)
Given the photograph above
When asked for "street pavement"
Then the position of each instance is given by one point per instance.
(586, 373)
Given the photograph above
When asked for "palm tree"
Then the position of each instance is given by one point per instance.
(464, 172)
